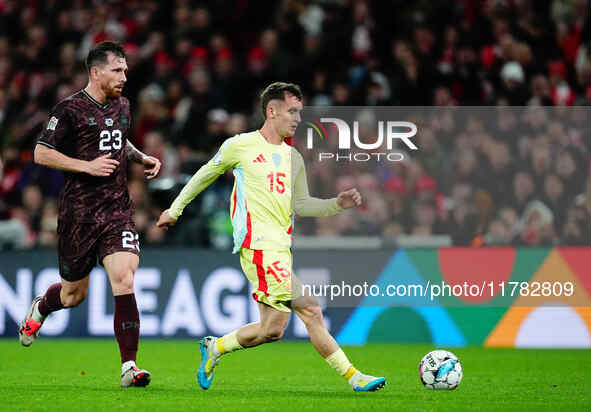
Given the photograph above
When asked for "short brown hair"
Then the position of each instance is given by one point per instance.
(98, 56)
(276, 91)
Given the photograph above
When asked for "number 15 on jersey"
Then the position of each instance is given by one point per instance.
(276, 182)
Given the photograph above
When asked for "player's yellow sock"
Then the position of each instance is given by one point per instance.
(228, 343)
(339, 362)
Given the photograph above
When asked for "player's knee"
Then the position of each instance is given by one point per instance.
(123, 283)
(311, 315)
(127, 284)
(73, 299)
(273, 333)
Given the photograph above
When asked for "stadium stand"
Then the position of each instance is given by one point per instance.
(197, 84)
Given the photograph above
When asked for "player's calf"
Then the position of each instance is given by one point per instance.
(272, 333)
(73, 298)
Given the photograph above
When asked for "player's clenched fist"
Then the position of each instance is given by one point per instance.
(166, 220)
(349, 198)
(102, 166)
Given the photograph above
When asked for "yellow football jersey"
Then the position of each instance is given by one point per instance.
(270, 180)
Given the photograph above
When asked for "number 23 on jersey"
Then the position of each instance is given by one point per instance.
(111, 140)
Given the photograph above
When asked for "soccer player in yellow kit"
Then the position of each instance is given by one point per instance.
(270, 184)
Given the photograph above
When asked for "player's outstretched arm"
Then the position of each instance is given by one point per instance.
(225, 158)
(200, 180)
(306, 205)
(101, 166)
(150, 163)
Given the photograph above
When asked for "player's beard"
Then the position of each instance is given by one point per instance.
(113, 92)
(116, 93)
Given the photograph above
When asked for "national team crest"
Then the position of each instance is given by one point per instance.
(276, 159)
(52, 123)
(109, 122)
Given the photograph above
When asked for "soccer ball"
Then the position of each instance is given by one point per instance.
(440, 369)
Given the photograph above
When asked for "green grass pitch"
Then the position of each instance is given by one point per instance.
(83, 375)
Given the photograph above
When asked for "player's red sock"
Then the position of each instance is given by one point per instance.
(51, 301)
(127, 326)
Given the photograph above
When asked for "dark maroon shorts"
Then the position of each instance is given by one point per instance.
(81, 244)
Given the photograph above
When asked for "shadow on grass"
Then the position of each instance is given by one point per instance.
(195, 391)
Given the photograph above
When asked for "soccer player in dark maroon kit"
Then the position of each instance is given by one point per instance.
(87, 137)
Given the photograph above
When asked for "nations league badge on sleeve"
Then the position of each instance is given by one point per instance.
(52, 123)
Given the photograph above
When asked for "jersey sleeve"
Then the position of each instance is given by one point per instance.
(227, 157)
(56, 133)
(303, 203)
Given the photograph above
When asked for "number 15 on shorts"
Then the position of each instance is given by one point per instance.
(131, 240)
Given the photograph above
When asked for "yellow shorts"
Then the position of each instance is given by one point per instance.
(270, 273)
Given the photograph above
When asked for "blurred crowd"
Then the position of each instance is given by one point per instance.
(499, 175)
(196, 68)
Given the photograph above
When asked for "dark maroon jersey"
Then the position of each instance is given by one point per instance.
(82, 128)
